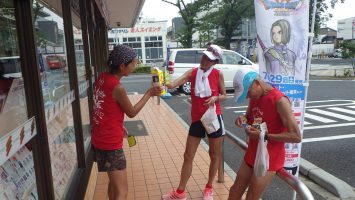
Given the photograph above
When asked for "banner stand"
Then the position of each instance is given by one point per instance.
(306, 83)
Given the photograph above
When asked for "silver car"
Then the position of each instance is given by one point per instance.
(181, 60)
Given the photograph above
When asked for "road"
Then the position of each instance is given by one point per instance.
(328, 134)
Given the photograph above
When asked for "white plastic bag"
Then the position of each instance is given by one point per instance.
(261, 164)
(210, 120)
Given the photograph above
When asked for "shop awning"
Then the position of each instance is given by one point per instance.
(56, 7)
(123, 13)
(118, 13)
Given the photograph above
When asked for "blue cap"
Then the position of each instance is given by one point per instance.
(243, 78)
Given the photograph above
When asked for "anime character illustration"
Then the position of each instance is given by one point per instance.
(278, 58)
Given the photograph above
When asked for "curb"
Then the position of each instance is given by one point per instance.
(331, 183)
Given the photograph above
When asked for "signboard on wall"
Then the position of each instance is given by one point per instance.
(139, 29)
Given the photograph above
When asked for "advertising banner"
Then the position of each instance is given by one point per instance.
(282, 33)
(13, 141)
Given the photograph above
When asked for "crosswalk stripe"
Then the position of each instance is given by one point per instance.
(351, 106)
(344, 117)
(239, 111)
(317, 118)
(328, 126)
(337, 137)
(343, 110)
(306, 123)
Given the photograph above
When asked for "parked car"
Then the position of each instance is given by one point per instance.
(181, 60)
(55, 62)
(336, 54)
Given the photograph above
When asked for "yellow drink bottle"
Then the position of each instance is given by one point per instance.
(158, 78)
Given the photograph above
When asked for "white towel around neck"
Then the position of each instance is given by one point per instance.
(202, 85)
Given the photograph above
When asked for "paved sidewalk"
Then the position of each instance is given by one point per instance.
(154, 164)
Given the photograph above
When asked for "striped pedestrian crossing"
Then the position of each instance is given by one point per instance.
(352, 112)
(332, 114)
(318, 118)
(306, 123)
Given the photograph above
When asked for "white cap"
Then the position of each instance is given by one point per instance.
(243, 78)
(213, 52)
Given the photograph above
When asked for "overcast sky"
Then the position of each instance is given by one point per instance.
(163, 11)
(341, 11)
(160, 10)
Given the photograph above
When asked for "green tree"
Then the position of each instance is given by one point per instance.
(41, 39)
(348, 49)
(228, 16)
(206, 30)
(321, 15)
(8, 44)
(348, 52)
(189, 13)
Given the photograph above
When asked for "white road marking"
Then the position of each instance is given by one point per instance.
(239, 111)
(348, 103)
(320, 119)
(344, 117)
(306, 123)
(343, 110)
(332, 106)
(233, 107)
(328, 126)
(337, 137)
(325, 106)
(331, 101)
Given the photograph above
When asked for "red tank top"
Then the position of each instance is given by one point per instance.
(107, 123)
(197, 107)
(265, 108)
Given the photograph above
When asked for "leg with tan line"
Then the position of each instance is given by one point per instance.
(118, 182)
(241, 183)
(258, 185)
(186, 170)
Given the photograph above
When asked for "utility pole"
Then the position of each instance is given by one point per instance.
(247, 49)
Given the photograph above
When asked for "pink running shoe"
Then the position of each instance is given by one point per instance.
(174, 196)
(208, 194)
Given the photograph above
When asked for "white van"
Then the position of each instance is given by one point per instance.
(181, 60)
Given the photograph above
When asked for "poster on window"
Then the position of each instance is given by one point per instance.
(13, 141)
(282, 35)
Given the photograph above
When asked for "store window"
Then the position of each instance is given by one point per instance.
(57, 96)
(82, 82)
(154, 49)
(17, 176)
(135, 44)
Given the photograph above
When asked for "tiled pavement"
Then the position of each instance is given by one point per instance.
(154, 164)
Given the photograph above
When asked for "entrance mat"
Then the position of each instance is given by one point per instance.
(136, 128)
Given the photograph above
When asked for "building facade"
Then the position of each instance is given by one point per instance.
(147, 38)
(346, 29)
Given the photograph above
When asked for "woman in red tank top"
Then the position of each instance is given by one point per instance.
(110, 104)
(267, 104)
(207, 89)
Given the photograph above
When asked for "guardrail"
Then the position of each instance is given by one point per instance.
(347, 71)
(297, 185)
